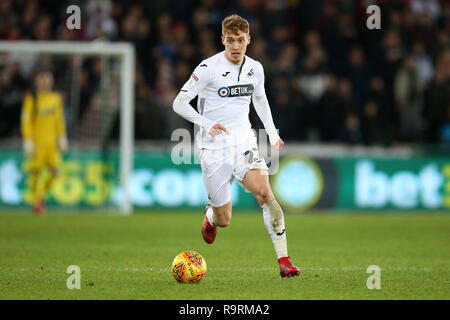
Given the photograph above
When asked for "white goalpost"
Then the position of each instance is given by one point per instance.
(126, 55)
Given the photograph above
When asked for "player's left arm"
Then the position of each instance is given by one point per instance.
(262, 108)
(61, 125)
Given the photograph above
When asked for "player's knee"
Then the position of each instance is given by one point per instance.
(264, 195)
(54, 171)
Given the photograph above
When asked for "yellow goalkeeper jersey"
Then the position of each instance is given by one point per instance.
(43, 118)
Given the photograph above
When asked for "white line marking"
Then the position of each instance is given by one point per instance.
(158, 269)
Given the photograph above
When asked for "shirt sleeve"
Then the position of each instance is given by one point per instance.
(27, 117)
(262, 107)
(198, 80)
(260, 90)
(60, 120)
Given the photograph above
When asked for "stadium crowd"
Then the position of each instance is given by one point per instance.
(328, 77)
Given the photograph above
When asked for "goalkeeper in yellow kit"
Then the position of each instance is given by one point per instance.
(44, 135)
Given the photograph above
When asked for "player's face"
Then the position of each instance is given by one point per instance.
(44, 81)
(235, 45)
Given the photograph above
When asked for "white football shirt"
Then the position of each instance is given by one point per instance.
(224, 93)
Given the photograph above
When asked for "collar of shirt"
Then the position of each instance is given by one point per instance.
(226, 61)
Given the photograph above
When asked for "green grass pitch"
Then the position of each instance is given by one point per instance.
(129, 257)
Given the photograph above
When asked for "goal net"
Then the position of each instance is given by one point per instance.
(96, 81)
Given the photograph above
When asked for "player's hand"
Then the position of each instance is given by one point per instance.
(28, 147)
(275, 140)
(277, 146)
(217, 129)
(63, 144)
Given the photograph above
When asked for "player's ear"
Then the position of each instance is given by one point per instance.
(248, 40)
(223, 40)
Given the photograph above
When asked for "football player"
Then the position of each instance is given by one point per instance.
(44, 135)
(225, 84)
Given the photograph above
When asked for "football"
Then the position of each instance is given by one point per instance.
(189, 267)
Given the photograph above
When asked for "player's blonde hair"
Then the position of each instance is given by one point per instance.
(234, 24)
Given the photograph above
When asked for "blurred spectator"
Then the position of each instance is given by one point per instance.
(387, 113)
(358, 73)
(330, 110)
(346, 97)
(408, 88)
(100, 22)
(372, 126)
(8, 18)
(28, 19)
(149, 118)
(437, 98)
(258, 50)
(392, 55)
(12, 85)
(312, 80)
(444, 132)
(282, 108)
(351, 131)
(423, 62)
(430, 8)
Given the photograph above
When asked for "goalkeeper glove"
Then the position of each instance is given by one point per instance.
(63, 144)
(28, 147)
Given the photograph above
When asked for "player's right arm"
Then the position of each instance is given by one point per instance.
(198, 80)
(262, 108)
(26, 124)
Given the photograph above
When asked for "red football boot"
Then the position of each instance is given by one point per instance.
(287, 269)
(39, 208)
(208, 231)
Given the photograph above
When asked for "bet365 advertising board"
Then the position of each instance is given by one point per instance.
(89, 180)
(364, 183)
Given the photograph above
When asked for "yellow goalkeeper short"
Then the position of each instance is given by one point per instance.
(45, 157)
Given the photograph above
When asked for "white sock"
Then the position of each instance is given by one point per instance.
(210, 216)
(274, 221)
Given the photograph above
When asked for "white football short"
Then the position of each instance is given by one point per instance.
(221, 166)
